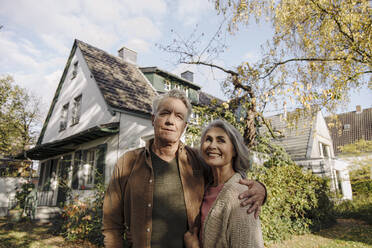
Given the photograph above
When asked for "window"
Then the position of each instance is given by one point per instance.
(324, 150)
(177, 86)
(89, 168)
(346, 127)
(64, 117)
(84, 169)
(74, 70)
(76, 110)
(186, 91)
(167, 85)
(194, 118)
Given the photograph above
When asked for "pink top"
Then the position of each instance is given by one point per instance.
(210, 196)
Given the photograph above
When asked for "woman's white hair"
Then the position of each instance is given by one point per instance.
(174, 93)
(242, 161)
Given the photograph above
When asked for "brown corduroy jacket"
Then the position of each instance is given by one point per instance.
(129, 196)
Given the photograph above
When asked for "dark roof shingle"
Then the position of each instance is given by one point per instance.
(122, 84)
(359, 127)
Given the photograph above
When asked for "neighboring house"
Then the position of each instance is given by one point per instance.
(309, 144)
(101, 109)
(348, 128)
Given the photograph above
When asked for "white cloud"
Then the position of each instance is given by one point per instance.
(138, 45)
(140, 27)
(190, 12)
(13, 54)
(53, 42)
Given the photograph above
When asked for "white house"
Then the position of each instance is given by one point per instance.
(309, 143)
(101, 109)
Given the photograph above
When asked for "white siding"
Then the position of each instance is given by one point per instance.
(321, 134)
(93, 107)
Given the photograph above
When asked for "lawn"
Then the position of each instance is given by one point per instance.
(33, 235)
(347, 233)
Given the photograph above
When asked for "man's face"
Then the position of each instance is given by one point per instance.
(170, 120)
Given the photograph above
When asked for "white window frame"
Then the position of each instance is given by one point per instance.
(64, 117)
(167, 85)
(75, 70)
(76, 110)
(87, 171)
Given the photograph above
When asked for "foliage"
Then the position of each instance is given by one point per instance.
(82, 219)
(297, 201)
(19, 117)
(22, 192)
(357, 148)
(319, 51)
(358, 208)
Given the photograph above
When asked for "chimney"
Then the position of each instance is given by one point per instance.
(128, 55)
(188, 75)
(359, 109)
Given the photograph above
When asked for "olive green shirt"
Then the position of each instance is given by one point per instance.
(169, 219)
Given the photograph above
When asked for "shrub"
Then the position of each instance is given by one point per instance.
(82, 220)
(22, 192)
(297, 201)
(359, 208)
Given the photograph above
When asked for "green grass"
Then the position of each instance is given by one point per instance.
(346, 233)
(33, 235)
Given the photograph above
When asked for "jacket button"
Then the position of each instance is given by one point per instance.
(149, 205)
(150, 181)
(148, 230)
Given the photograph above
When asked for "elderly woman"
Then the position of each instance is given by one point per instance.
(224, 223)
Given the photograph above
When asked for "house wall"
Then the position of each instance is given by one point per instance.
(8, 187)
(93, 107)
(132, 128)
(321, 134)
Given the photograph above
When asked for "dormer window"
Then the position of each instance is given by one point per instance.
(167, 85)
(346, 127)
(74, 70)
(64, 117)
(76, 111)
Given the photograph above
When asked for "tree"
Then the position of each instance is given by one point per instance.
(19, 117)
(320, 50)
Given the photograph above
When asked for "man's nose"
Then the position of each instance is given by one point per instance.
(170, 119)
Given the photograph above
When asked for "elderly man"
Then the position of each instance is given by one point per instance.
(155, 192)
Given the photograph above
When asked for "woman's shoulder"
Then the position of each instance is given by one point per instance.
(232, 189)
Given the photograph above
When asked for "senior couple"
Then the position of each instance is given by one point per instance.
(170, 195)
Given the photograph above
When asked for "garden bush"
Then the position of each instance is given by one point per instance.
(297, 201)
(82, 219)
(22, 192)
(358, 208)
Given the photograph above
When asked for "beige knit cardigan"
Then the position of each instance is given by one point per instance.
(228, 224)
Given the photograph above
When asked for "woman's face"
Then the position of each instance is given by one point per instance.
(217, 148)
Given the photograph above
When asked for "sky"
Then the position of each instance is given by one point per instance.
(37, 37)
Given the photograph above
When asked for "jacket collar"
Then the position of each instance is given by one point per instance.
(180, 150)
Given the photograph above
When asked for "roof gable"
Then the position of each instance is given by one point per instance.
(295, 139)
(122, 84)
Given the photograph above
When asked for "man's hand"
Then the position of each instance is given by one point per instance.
(191, 238)
(255, 195)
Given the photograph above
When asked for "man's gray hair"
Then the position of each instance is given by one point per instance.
(242, 162)
(174, 93)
